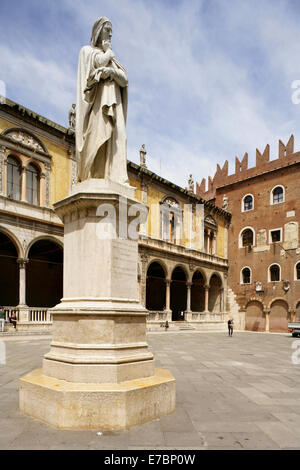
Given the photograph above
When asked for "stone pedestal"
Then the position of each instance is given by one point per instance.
(99, 372)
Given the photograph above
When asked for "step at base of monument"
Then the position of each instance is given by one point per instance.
(68, 405)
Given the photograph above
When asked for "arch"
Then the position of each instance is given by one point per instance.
(9, 272)
(279, 315)
(14, 240)
(28, 138)
(214, 273)
(50, 238)
(203, 273)
(171, 201)
(255, 319)
(183, 268)
(243, 274)
(254, 299)
(16, 157)
(198, 292)
(36, 163)
(274, 272)
(214, 299)
(241, 241)
(244, 203)
(278, 186)
(155, 287)
(297, 271)
(44, 272)
(161, 262)
(275, 300)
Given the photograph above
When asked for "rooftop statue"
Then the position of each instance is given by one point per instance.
(101, 109)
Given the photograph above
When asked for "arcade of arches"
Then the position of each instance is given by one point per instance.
(179, 294)
(275, 318)
(35, 281)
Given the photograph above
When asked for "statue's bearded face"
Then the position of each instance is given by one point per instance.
(106, 32)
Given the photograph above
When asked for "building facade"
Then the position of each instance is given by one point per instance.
(264, 250)
(183, 246)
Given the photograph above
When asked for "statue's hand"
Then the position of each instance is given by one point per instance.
(106, 45)
(107, 72)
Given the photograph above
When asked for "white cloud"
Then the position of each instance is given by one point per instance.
(46, 82)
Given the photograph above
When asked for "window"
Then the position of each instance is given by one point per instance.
(277, 195)
(274, 273)
(246, 276)
(13, 178)
(171, 220)
(297, 272)
(275, 235)
(247, 237)
(247, 203)
(32, 184)
(210, 235)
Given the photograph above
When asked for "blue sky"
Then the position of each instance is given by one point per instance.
(208, 79)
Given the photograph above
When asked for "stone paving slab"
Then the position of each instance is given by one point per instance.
(238, 393)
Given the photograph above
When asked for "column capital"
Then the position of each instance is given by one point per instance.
(22, 262)
(168, 282)
(189, 285)
(206, 287)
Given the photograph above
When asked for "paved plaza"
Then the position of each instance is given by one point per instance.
(232, 393)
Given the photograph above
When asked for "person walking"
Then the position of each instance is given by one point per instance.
(230, 327)
(2, 319)
(166, 325)
(13, 320)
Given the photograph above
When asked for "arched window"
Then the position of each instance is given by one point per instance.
(171, 220)
(210, 235)
(297, 273)
(248, 203)
(277, 195)
(246, 276)
(13, 178)
(32, 184)
(247, 237)
(274, 273)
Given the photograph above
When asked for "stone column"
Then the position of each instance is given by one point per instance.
(23, 184)
(42, 195)
(214, 244)
(4, 177)
(267, 313)
(208, 242)
(221, 299)
(168, 299)
(188, 303)
(168, 293)
(23, 308)
(2, 153)
(206, 298)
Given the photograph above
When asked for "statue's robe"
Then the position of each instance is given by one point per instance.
(101, 144)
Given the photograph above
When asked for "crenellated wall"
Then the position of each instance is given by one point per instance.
(286, 157)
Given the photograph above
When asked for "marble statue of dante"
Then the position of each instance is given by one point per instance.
(101, 109)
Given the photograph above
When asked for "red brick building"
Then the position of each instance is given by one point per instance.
(264, 250)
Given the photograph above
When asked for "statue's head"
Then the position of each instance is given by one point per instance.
(102, 31)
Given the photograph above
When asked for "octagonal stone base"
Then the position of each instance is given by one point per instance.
(101, 406)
